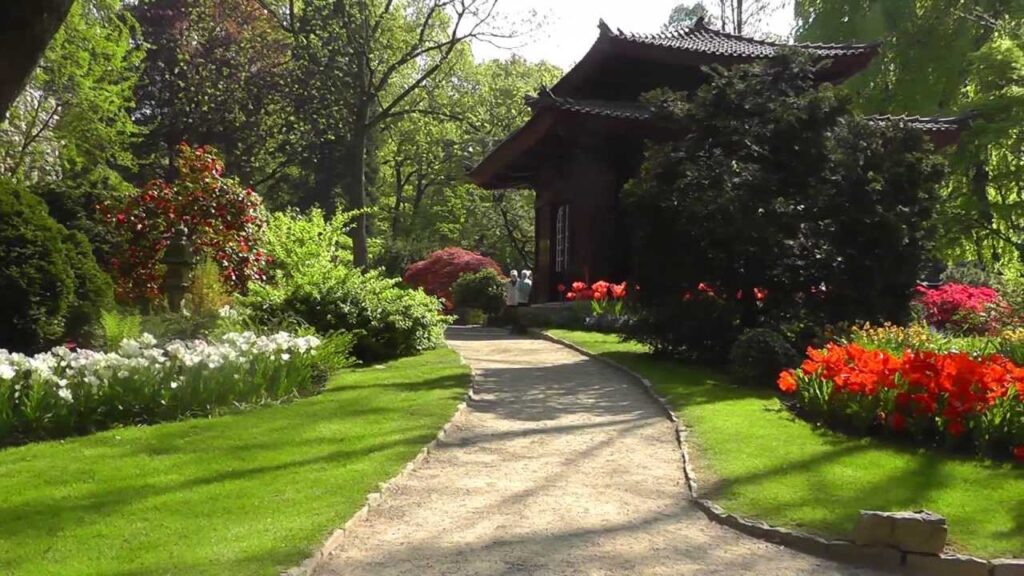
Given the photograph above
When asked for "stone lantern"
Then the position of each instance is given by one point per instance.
(178, 259)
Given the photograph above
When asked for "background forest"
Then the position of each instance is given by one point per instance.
(375, 108)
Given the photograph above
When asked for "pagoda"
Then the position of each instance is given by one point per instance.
(585, 138)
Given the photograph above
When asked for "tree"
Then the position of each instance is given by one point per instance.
(74, 118)
(792, 210)
(687, 14)
(947, 55)
(736, 16)
(26, 28)
(217, 73)
(421, 185)
(370, 61)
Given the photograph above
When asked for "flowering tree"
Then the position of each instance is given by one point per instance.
(441, 269)
(224, 222)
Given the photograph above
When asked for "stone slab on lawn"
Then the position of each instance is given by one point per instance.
(921, 532)
(1008, 567)
(947, 565)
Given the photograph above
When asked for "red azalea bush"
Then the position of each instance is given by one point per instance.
(224, 221)
(929, 396)
(963, 309)
(440, 270)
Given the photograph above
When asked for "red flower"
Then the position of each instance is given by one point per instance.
(571, 296)
(899, 423)
(1018, 453)
(561, 288)
(619, 291)
(760, 294)
(787, 382)
(578, 286)
(956, 428)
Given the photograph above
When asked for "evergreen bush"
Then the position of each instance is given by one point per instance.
(37, 280)
(760, 355)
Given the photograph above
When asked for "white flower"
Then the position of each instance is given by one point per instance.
(7, 372)
(64, 393)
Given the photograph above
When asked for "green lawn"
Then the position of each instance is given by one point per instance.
(758, 461)
(250, 493)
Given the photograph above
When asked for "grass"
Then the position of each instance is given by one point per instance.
(251, 493)
(756, 460)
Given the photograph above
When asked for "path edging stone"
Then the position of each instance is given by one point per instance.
(837, 550)
(310, 566)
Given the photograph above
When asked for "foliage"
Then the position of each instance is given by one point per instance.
(301, 242)
(53, 289)
(483, 290)
(953, 397)
(72, 202)
(223, 221)
(62, 393)
(385, 319)
(74, 117)
(964, 309)
(421, 190)
(759, 355)
(368, 424)
(774, 467)
(93, 292)
(119, 326)
(216, 72)
(775, 186)
(948, 55)
(440, 270)
(701, 329)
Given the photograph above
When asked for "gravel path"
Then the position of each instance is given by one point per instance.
(563, 466)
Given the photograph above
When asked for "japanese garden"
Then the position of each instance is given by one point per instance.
(474, 287)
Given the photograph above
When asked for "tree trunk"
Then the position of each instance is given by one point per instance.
(26, 28)
(355, 185)
(396, 216)
(739, 17)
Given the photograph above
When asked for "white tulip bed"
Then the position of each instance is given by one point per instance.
(64, 392)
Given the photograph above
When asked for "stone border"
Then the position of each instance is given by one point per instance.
(842, 551)
(310, 566)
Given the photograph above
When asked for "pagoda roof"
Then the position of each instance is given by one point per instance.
(700, 45)
(508, 165)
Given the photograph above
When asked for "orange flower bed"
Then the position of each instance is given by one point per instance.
(949, 398)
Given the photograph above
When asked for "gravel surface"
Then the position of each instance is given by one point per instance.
(563, 466)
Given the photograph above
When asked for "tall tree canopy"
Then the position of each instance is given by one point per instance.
(948, 56)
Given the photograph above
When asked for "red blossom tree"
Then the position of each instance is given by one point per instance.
(441, 269)
(224, 222)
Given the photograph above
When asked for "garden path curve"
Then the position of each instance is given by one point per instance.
(561, 466)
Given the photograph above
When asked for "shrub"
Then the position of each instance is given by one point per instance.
(700, 329)
(952, 398)
(759, 355)
(94, 292)
(440, 270)
(775, 184)
(964, 309)
(225, 222)
(298, 242)
(386, 319)
(119, 326)
(61, 393)
(483, 290)
(46, 275)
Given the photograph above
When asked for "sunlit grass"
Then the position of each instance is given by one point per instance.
(251, 493)
(757, 460)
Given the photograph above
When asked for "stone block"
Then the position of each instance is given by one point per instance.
(920, 532)
(1008, 567)
(946, 565)
(876, 556)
